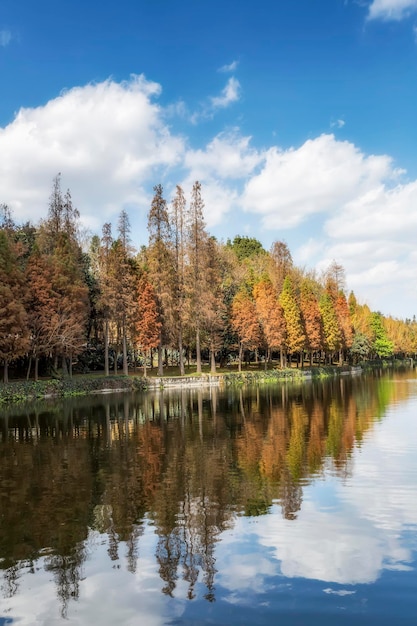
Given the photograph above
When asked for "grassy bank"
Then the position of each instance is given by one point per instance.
(21, 391)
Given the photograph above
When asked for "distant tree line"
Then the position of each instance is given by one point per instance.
(185, 296)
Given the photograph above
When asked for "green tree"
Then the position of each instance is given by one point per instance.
(245, 247)
(380, 344)
(331, 329)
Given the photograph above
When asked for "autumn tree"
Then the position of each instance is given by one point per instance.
(345, 323)
(148, 324)
(335, 283)
(14, 337)
(310, 311)
(161, 265)
(295, 338)
(68, 301)
(197, 239)
(178, 228)
(281, 264)
(108, 289)
(127, 281)
(271, 317)
(245, 323)
(212, 301)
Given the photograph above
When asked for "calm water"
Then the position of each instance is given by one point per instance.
(271, 505)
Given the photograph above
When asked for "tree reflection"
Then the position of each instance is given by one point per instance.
(186, 461)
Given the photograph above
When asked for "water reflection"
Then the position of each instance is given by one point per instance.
(207, 494)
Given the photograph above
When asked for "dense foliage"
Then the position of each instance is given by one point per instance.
(184, 296)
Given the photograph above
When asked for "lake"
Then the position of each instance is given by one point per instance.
(290, 504)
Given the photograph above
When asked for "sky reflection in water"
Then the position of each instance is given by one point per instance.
(347, 550)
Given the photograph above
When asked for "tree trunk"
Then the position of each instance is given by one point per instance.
(212, 359)
(181, 353)
(29, 368)
(240, 356)
(36, 376)
(6, 371)
(125, 364)
(198, 351)
(106, 348)
(64, 365)
(70, 365)
(144, 362)
(160, 362)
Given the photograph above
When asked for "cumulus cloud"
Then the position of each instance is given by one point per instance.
(221, 166)
(320, 176)
(5, 38)
(355, 208)
(391, 9)
(112, 143)
(107, 139)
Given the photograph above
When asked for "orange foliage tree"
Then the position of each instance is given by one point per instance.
(148, 324)
(245, 323)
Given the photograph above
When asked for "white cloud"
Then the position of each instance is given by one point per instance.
(391, 9)
(230, 94)
(227, 156)
(107, 139)
(5, 38)
(349, 542)
(320, 176)
(229, 68)
(112, 143)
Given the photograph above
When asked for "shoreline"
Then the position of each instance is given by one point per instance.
(24, 391)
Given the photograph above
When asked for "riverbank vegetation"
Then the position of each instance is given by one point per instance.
(183, 300)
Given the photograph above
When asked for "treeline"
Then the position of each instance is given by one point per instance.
(183, 296)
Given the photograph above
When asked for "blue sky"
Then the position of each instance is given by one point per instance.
(299, 119)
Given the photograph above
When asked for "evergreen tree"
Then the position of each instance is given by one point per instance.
(380, 344)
